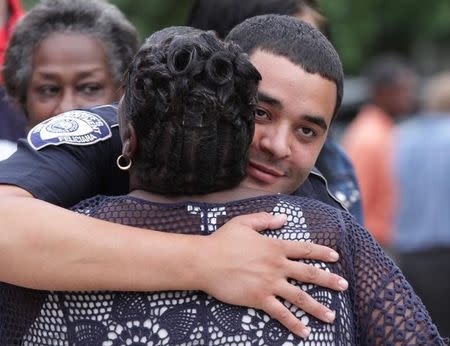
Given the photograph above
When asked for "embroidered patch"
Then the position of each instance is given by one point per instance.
(73, 127)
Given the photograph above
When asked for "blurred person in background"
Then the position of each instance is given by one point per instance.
(66, 54)
(12, 121)
(421, 238)
(223, 15)
(333, 170)
(368, 140)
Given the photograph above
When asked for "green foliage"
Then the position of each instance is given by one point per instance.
(28, 3)
(148, 15)
(359, 28)
(151, 15)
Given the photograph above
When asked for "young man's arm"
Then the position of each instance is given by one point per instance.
(43, 246)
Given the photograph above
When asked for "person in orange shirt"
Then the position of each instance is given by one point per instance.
(368, 140)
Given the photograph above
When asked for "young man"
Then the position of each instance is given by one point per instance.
(59, 250)
(294, 112)
(332, 168)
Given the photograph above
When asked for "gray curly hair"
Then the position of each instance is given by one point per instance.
(95, 18)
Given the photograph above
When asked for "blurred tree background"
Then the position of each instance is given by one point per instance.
(148, 15)
(417, 29)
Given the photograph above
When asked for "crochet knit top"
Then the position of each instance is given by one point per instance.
(379, 308)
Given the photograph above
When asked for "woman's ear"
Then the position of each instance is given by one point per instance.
(129, 141)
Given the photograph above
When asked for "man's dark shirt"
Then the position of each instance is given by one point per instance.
(64, 171)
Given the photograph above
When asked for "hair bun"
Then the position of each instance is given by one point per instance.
(180, 59)
(193, 115)
(219, 68)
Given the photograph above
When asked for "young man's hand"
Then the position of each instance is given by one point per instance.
(243, 267)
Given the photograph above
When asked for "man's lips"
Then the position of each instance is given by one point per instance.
(263, 173)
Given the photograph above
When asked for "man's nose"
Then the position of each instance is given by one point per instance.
(276, 141)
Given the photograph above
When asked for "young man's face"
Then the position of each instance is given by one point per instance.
(292, 120)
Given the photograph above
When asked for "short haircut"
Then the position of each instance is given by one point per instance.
(95, 18)
(191, 100)
(295, 40)
(223, 15)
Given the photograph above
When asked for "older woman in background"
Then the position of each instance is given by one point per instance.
(66, 54)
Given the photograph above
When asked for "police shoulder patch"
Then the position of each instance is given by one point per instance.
(74, 127)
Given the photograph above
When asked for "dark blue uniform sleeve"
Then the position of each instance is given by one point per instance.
(65, 174)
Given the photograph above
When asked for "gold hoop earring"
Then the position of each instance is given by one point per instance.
(126, 166)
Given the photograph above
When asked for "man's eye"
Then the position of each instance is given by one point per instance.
(307, 132)
(261, 114)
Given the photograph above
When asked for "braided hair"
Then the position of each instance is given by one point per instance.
(190, 98)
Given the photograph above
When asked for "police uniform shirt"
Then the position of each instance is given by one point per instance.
(69, 158)
(72, 156)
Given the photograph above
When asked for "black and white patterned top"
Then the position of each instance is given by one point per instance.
(380, 308)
